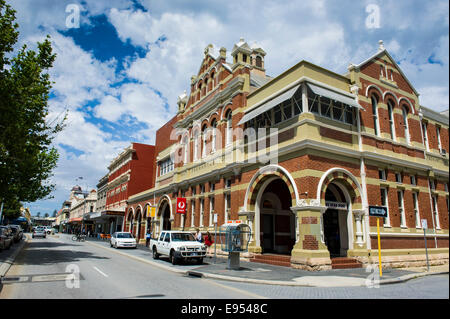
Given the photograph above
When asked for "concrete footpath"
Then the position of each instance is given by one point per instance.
(7, 257)
(259, 273)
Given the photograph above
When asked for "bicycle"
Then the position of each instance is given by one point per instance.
(79, 238)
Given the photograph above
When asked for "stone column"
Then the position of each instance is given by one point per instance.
(249, 218)
(310, 252)
(359, 215)
(360, 249)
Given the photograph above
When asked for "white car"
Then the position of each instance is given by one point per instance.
(122, 239)
(49, 230)
(178, 245)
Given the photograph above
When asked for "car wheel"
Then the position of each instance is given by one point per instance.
(155, 253)
(173, 259)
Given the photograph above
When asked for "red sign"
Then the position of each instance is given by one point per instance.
(181, 205)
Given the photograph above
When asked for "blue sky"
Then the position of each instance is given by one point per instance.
(120, 72)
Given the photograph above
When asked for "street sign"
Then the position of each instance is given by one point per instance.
(378, 211)
(424, 224)
(181, 205)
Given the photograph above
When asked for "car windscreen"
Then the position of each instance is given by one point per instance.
(182, 237)
(125, 235)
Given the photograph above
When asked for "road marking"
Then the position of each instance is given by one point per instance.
(236, 289)
(101, 272)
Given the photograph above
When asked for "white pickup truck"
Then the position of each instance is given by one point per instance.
(178, 245)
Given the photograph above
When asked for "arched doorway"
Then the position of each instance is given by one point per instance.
(165, 216)
(138, 228)
(336, 219)
(129, 222)
(276, 220)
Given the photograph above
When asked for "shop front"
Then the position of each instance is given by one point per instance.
(106, 222)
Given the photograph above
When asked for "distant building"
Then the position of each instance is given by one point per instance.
(131, 172)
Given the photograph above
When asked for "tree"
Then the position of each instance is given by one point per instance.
(46, 215)
(38, 214)
(26, 155)
(55, 212)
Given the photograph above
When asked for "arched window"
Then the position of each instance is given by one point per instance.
(228, 132)
(376, 125)
(206, 85)
(212, 81)
(405, 123)
(390, 105)
(258, 61)
(214, 128)
(186, 150)
(196, 145)
(204, 135)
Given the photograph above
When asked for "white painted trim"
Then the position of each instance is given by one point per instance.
(408, 234)
(408, 101)
(271, 167)
(343, 170)
(376, 87)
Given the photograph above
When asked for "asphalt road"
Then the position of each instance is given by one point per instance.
(41, 272)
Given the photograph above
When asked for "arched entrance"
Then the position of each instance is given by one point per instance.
(138, 222)
(336, 220)
(276, 220)
(165, 223)
(129, 222)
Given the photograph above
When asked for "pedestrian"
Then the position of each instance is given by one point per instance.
(198, 236)
(147, 238)
(208, 242)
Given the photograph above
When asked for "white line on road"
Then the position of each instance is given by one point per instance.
(101, 272)
(235, 289)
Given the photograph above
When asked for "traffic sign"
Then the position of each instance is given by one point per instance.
(378, 211)
(181, 205)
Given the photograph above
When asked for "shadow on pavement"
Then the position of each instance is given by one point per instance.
(44, 253)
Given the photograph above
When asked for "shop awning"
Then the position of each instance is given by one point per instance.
(74, 220)
(269, 105)
(333, 95)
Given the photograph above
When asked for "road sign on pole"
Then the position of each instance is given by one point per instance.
(379, 247)
(378, 212)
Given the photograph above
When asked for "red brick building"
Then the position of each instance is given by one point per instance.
(301, 157)
(131, 172)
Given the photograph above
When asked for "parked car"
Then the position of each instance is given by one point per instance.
(6, 238)
(178, 245)
(39, 232)
(17, 232)
(49, 230)
(122, 239)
